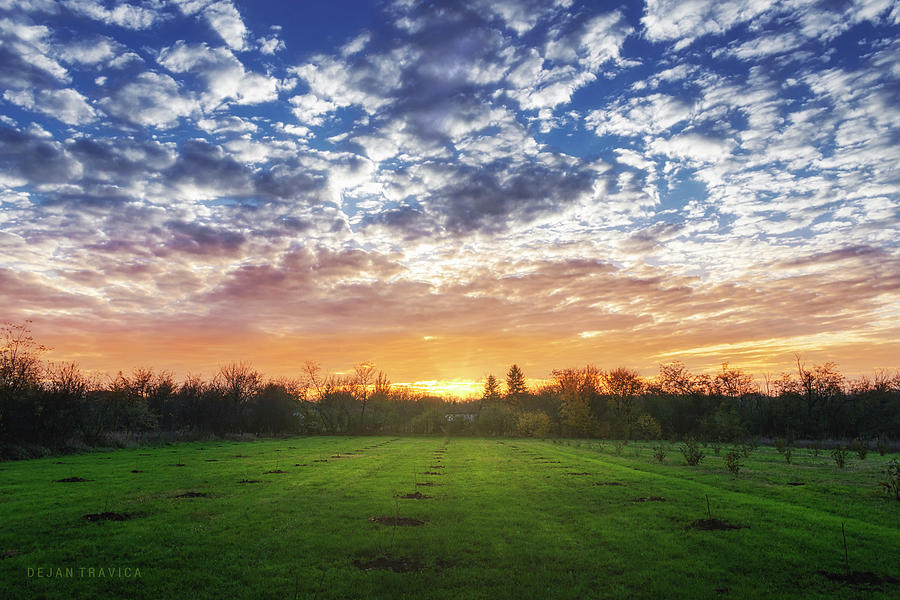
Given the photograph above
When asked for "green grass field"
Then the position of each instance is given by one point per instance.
(505, 519)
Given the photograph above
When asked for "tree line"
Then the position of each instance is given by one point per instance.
(46, 405)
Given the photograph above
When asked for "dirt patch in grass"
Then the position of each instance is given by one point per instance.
(179, 465)
(192, 495)
(608, 483)
(713, 525)
(860, 578)
(431, 473)
(795, 483)
(435, 467)
(249, 481)
(428, 483)
(384, 563)
(107, 516)
(9, 553)
(240, 456)
(321, 460)
(136, 471)
(574, 473)
(413, 496)
(71, 480)
(212, 460)
(650, 499)
(403, 521)
(274, 471)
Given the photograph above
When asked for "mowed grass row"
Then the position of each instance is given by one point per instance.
(505, 519)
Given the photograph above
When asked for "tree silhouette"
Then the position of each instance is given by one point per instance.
(623, 385)
(239, 383)
(515, 385)
(363, 377)
(491, 389)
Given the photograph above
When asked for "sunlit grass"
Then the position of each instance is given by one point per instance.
(506, 519)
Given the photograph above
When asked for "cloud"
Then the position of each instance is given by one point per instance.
(222, 17)
(151, 100)
(25, 57)
(124, 15)
(194, 238)
(491, 198)
(565, 166)
(521, 15)
(310, 109)
(205, 169)
(67, 105)
(121, 161)
(270, 45)
(28, 159)
(683, 21)
(693, 147)
(634, 116)
(768, 45)
(91, 51)
(227, 124)
(595, 42)
(224, 75)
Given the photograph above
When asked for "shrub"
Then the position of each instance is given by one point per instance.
(891, 482)
(840, 456)
(882, 444)
(784, 448)
(717, 448)
(533, 424)
(691, 452)
(733, 461)
(619, 446)
(648, 428)
(861, 448)
(748, 448)
(659, 452)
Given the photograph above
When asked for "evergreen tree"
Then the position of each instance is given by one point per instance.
(491, 389)
(515, 385)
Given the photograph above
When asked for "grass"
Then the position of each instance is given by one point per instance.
(506, 519)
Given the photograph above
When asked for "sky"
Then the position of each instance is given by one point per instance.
(446, 188)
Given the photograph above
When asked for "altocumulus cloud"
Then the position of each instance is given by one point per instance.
(618, 182)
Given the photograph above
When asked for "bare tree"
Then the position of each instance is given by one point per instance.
(733, 383)
(362, 379)
(675, 379)
(312, 377)
(20, 371)
(239, 382)
(20, 358)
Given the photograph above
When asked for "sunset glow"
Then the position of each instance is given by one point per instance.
(446, 188)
